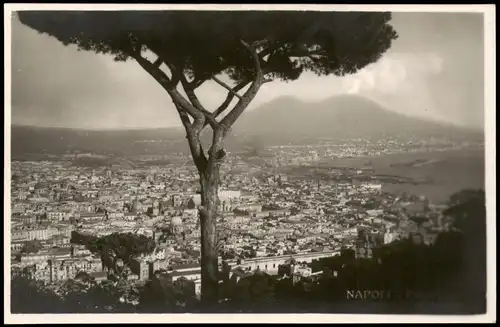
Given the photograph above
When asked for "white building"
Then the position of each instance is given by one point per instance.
(58, 215)
(373, 186)
(270, 264)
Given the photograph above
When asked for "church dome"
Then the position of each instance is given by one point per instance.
(176, 221)
(136, 205)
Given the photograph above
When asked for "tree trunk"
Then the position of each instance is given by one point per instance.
(209, 181)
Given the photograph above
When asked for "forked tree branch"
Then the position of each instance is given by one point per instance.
(231, 117)
(195, 109)
(158, 62)
(186, 122)
(154, 71)
(170, 86)
(199, 119)
(216, 152)
(197, 152)
(227, 87)
(183, 107)
(230, 97)
(207, 116)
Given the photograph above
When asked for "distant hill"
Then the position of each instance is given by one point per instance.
(336, 117)
(280, 121)
(30, 139)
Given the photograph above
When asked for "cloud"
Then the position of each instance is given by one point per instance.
(54, 85)
(393, 73)
(435, 69)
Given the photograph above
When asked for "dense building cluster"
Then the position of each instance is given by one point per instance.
(265, 219)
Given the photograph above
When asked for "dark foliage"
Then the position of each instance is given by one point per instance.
(115, 246)
(32, 246)
(160, 295)
(28, 296)
(207, 43)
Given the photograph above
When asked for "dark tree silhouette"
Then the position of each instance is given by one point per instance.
(250, 48)
(255, 292)
(28, 296)
(32, 246)
(467, 209)
(161, 295)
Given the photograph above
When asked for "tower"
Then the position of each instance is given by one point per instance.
(136, 206)
(143, 270)
(156, 207)
(176, 226)
(176, 200)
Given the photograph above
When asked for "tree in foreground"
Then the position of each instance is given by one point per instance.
(246, 48)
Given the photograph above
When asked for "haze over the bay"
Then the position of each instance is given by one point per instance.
(434, 70)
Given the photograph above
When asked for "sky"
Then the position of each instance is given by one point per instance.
(434, 70)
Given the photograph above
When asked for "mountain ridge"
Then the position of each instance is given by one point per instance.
(278, 122)
(335, 113)
(378, 106)
(265, 106)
